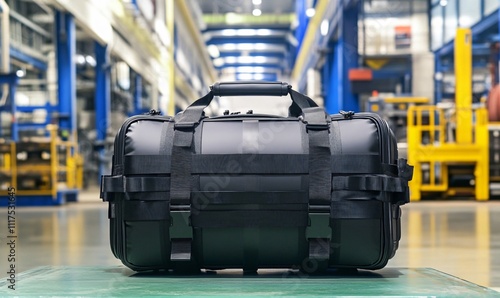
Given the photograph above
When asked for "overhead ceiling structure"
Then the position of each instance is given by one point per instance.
(250, 40)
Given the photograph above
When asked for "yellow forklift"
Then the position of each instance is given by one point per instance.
(41, 169)
(449, 146)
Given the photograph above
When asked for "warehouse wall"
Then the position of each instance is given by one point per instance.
(422, 57)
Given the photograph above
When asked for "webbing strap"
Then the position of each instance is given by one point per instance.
(135, 184)
(146, 211)
(245, 197)
(250, 218)
(260, 164)
(369, 183)
(317, 126)
(180, 167)
(362, 209)
(181, 163)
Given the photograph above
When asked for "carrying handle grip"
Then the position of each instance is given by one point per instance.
(314, 116)
(250, 88)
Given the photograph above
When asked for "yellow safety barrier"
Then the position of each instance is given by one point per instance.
(63, 169)
(432, 147)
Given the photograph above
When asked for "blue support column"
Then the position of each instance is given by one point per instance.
(11, 79)
(66, 71)
(138, 94)
(344, 57)
(102, 102)
(498, 55)
(303, 21)
(438, 84)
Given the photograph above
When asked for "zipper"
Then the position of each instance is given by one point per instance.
(119, 152)
(382, 129)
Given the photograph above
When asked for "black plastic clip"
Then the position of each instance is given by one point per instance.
(153, 112)
(347, 115)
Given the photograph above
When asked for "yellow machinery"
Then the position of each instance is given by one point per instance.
(438, 139)
(43, 172)
(394, 111)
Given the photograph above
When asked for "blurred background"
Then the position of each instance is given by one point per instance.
(71, 72)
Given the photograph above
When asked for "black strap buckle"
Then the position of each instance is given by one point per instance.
(315, 119)
(317, 126)
(347, 115)
(185, 125)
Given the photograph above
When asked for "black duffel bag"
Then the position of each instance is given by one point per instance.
(251, 191)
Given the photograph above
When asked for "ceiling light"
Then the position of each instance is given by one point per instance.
(310, 12)
(213, 51)
(80, 59)
(324, 27)
(20, 73)
(443, 2)
(218, 62)
(257, 2)
(256, 12)
(90, 60)
(245, 76)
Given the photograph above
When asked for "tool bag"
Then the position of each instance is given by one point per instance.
(250, 191)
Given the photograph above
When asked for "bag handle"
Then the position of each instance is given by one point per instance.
(250, 88)
(301, 104)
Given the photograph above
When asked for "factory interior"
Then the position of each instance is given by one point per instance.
(72, 72)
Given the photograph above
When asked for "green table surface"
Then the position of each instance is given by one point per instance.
(121, 281)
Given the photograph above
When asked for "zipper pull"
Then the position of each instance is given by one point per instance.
(153, 112)
(347, 115)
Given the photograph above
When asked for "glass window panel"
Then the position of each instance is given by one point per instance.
(450, 20)
(470, 13)
(490, 6)
(437, 27)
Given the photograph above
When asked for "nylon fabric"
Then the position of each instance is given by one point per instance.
(238, 197)
(135, 184)
(232, 164)
(246, 218)
(356, 209)
(369, 183)
(146, 211)
(320, 170)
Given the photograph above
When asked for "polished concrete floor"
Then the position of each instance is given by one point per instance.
(461, 238)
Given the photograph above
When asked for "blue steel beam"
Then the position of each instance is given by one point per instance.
(497, 75)
(26, 58)
(483, 25)
(102, 101)
(12, 80)
(303, 22)
(344, 57)
(138, 94)
(260, 39)
(66, 70)
(253, 54)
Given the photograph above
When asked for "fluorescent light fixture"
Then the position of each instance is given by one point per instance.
(227, 47)
(245, 76)
(91, 61)
(213, 51)
(250, 76)
(257, 2)
(20, 73)
(221, 61)
(246, 32)
(258, 76)
(443, 2)
(218, 62)
(310, 12)
(257, 12)
(324, 27)
(254, 69)
(80, 59)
